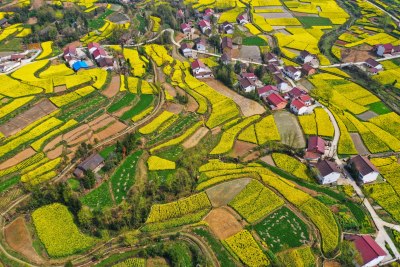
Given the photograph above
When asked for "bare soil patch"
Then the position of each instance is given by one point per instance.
(121, 112)
(223, 223)
(113, 87)
(171, 90)
(192, 105)
(367, 115)
(240, 148)
(268, 159)
(356, 54)
(55, 153)
(60, 88)
(252, 156)
(103, 123)
(195, 138)
(21, 156)
(55, 141)
(27, 117)
(32, 21)
(110, 131)
(359, 144)
(330, 263)
(222, 194)
(307, 190)
(99, 119)
(247, 106)
(216, 130)
(19, 239)
(75, 43)
(174, 108)
(75, 132)
(37, 3)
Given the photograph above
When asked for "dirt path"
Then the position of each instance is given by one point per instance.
(359, 144)
(247, 106)
(268, 159)
(195, 138)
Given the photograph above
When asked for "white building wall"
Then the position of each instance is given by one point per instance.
(330, 178)
(374, 262)
(370, 177)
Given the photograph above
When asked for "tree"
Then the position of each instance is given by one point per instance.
(89, 180)
(85, 217)
(349, 254)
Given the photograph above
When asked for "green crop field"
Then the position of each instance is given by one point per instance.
(308, 22)
(282, 229)
(254, 40)
(144, 102)
(379, 108)
(124, 177)
(98, 198)
(123, 102)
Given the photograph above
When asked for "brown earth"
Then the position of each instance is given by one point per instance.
(307, 190)
(55, 153)
(171, 90)
(103, 123)
(27, 117)
(193, 140)
(223, 223)
(32, 21)
(75, 132)
(216, 130)
(75, 43)
(268, 159)
(116, 128)
(19, 239)
(113, 87)
(252, 156)
(55, 141)
(356, 54)
(222, 194)
(99, 119)
(247, 106)
(81, 138)
(21, 156)
(192, 105)
(60, 88)
(37, 4)
(121, 112)
(174, 108)
(331, 263)
(241, 148)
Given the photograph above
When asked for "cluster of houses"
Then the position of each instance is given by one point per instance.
(373, 66)
(75, 58)
(10, 62)
(328, 172)
(101, 57)
(382, 50)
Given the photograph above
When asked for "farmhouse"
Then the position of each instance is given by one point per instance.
(282, 85)
(372, 63)
(186, 50)
(70, 52)
(17, 57)
(100, 55)
(201, 45)
(307, 57)
(208, 13)
(383, 49)
(186, 28)
(249, 75)
(205, 26)
(94, 163)
(93, 47)
(273, 69)
(364, 169)
(371, 253)
(226, 45)
(271, 58)
(247, 85)
(227, 28)
(226, 58)
(77, 65)
(315, 148)
(307, 70)
(200, 70)
(298, 107)
(276, 101)
(105, 62)
(296, 92)
(242, 19)
(292, 72)
(267, 90)
(327, 172)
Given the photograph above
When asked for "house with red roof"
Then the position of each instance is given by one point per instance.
(384, 49)
(267, 90)
(296, 92)
(242, 19)
(372, 63)
(306, 99)
(98, 53)
(186, 28)
(205, 26)
(200, 70)
(364, 169)
(307, 70)
(371, 253)
(70, 51)
(327, 171)
(298, 107)
(93, 46)
(276, 101)
(208, 13)
(186, 50)
(315, 148)
(271, 58)
(249, 75)
(247, 85)
(227, 28)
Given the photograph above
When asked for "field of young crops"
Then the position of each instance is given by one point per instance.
(282, 229)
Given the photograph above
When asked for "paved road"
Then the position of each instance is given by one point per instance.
(393, 17)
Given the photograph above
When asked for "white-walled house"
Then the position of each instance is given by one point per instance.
(364, 169)
(327, 172)
(372, 63)
(282, 85)
(200, 70)
(298, 107)
(242, 19)
(186, 50)
(205, 26)
(247, 85)
(201, 45)
(292, 72)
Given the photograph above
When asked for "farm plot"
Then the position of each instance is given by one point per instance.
(99, 197)
(143, 104)
(291, 165)
(58, 232)
(289, 129)
(298, 257)
(255, 201)
(282, 229)
(124, 177)
(222, 223)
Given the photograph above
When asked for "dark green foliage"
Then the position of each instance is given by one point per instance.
(4, 185)
(379, 108)
(144, 102)
(254, 40)
(308, 22)
(123, 102)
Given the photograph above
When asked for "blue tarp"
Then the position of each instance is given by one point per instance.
(79, 65)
